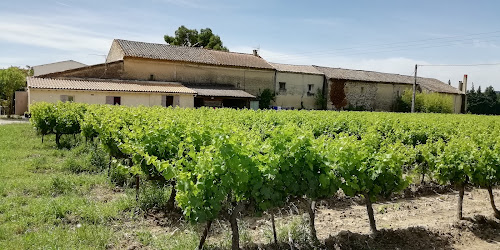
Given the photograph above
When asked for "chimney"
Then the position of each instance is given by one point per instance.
(463, 87)
(460, 85)
(465, 84)
(255, 52)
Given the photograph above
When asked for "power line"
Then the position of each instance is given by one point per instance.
(459, 65)
(407, 44)
(399, 48)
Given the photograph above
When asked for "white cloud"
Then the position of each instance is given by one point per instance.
(484, 44)
(42, 32)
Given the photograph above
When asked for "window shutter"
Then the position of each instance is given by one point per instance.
(109, 100)
(163, 100)
(64, 98)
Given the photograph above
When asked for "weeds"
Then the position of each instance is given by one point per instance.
(153, 196)
(87, 157)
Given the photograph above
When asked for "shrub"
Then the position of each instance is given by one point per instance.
(59, 118)
(265, 99)
(425, 102)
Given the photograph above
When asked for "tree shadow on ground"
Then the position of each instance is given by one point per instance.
(482, 227)
(417, 238)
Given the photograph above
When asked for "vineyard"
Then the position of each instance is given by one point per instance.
(224, 163)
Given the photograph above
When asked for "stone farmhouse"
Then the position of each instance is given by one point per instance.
(138, 73)
(378, 91)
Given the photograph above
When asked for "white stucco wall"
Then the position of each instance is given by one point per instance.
(99, 97)
(296, 89)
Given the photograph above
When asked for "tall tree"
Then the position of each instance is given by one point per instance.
(192, 38)
(11, 80)
(486, 103)
(491, 99)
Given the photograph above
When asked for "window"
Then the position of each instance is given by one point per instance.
(67, 98)
(113, 100)
(151, 77)
(310, 88)
(167, 101)
(362, 90)
(282, 86)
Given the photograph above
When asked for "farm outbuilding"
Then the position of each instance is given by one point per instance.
(370, 90)
(297, 85)
(95, 91)
(227, 79)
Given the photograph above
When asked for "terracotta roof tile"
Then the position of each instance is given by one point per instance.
(191, 54)
(372, 76)
(108, 85)
(306, 69)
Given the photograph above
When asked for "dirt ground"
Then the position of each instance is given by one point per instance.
(4, 121)
(423, 218)
(427, 221)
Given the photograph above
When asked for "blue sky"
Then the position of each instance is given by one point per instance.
(387, 36)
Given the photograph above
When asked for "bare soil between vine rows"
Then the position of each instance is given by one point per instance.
(425, 218)
(428, 221)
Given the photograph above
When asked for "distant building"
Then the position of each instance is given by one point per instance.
(114, 92)
(370, 90)
(138, 73)
(297, 85)
(56, 67)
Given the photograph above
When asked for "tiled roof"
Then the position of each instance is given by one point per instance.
(108, 85)
(306, 69)
(191, 54)
(372, 76)
(435, 85)
(222, 92)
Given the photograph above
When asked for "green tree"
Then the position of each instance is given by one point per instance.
(320, 100)
(486, 103)
(491, 100)
(265, 99)
(11, 80)
(192, 38)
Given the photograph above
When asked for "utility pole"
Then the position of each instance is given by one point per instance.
(414, 90)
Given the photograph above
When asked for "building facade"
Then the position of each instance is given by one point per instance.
(112, 92)
(376, 91)
(225, 79)
(297, 86)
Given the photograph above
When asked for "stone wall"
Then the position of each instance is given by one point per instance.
(115, 53)
(253, 81)
(297, 94)
(371, 96)
(112, 70)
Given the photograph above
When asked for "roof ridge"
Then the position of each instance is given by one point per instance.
(372, 71)
(292, 64)
(70, 60)
(131, 81)
(187, 47)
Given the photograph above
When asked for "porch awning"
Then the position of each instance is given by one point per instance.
(236, 93)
